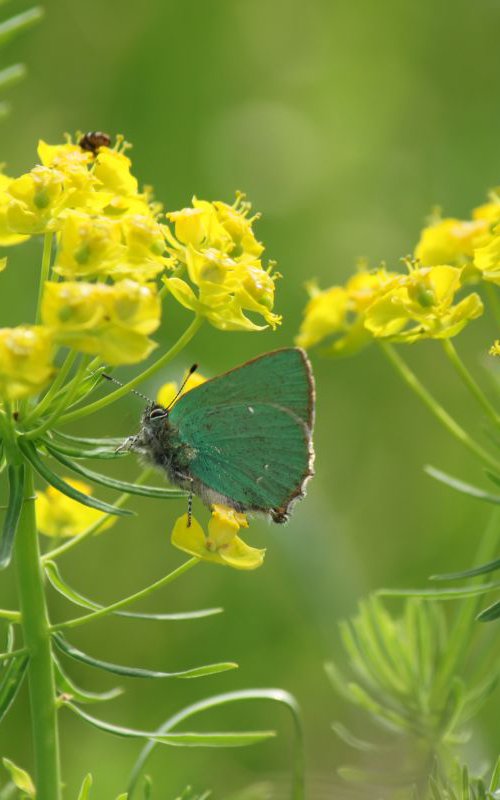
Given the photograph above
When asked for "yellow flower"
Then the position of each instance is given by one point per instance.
(144, 241)
(421, 305)
(337, 314)
(112, 169)
(59, 515)
(450, 241)
(89, 246)
(495, 348)
(7, 237)
(25, 361)
(111, 321)
(35, 197)
(222, 545)
(168, 391)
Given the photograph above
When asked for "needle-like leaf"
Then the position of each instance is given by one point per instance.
(139, 672)
(30, 452)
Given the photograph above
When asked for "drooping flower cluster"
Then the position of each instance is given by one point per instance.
(216, 246)
(113, 244)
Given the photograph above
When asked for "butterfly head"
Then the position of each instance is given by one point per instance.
(155, 415)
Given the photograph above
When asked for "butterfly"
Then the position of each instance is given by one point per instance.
(242, 439)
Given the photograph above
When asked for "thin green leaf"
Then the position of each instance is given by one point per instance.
(229, 739)
(108, 442)
(20, 777)
(489, 614)
(78, 599)
(84, 793)
(11, 75)
(495, 778)
(11, 27)
(138, 672)
(29, 451)
(484, 569)
(461, 486)
(16, 491)
(442, 594)
(11, 681)
(349, 738)
(273, 695)
(123, 486)
(69, 689)
(103, 453)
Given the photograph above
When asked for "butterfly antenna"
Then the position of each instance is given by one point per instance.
(188, 375)
(119, 383)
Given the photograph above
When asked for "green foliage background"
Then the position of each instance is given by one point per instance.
(345, 123)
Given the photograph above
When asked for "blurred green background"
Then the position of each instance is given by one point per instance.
(345, 122)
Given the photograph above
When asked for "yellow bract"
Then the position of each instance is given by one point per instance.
(216, 244)
(168, 391)
(25, 361)
(111, 321)
(60, 516)
(222, 545)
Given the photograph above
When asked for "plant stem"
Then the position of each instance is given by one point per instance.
(125, 389)
(54, 388)
(36, 631)
(436, 409)
(45, 271)
(65, 400)
(469, 381)
(126, 601)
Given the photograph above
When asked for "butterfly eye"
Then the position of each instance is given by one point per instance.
(158, 413)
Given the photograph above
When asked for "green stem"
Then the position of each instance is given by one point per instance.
(36, 631)
(126, 601)
(469, 381)
(45, 271)
(51, 393)
(96, 526)
(64, 401)
(435, 408)
(147, 373)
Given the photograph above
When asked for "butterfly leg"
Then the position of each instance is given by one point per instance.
(190, 505)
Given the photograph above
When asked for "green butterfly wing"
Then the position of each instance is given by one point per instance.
(250, 431)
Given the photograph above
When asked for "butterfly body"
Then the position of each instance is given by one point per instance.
(242, 439)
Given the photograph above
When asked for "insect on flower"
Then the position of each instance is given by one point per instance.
(242, 439)
(93, 140)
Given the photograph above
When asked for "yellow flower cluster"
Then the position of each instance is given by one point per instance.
(420, 304)
(111, 247)
(215, 245)
(111, 321)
